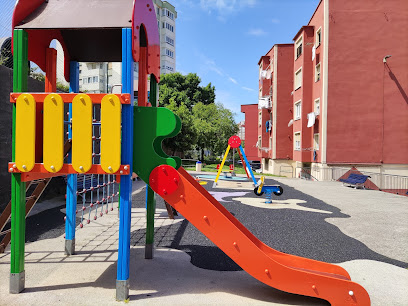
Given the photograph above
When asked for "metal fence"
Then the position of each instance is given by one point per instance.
(397, 184)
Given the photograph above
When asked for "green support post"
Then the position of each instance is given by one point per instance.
(150, 196)
(150, 210)
(18, 188)
(153, 91)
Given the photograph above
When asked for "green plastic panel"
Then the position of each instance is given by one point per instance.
(151, 126)
(151, 207)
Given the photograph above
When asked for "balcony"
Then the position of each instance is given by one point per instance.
(265, 102)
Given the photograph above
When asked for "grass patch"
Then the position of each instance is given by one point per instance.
(238, 169)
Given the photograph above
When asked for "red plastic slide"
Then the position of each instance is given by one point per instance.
(279, 270)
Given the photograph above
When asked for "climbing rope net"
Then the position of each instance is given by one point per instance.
(95, 192)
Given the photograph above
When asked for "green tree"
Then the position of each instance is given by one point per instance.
(205, 125)
(184, 140)
(185, 89)
(214, 125)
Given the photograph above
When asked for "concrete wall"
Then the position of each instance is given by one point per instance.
(317, 21)
(368, 99)
(6, 115)
(251, 130)
(284, 103)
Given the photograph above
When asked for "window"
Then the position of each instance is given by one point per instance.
(298, 79)
(316, 141)
(170, 14)
(169, 27)
(260, 118)
(298, 110)
(95, 79)
(317, 73)
(89, 79)
(163, 25)
(169, 53)
(84, 80)
(317, 106)
(158, 11)
(299, 46)
(297, 141)
(318, 37)
(169, 41)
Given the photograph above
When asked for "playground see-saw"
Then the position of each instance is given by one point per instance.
(54, 135)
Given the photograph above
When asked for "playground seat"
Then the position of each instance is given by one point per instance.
(231, 168)
(355, 180)
(218, 166)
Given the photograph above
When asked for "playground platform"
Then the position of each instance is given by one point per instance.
(363, 231)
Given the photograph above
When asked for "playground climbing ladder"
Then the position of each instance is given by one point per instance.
(131, 140)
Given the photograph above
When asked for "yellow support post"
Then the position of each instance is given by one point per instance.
(261, 183)
(81, 133)
(25, 132)
(222, 165)
(110, 133)
(53, 146)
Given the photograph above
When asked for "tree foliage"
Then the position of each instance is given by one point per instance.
(184, 140)
(185, 89)
(205, 125)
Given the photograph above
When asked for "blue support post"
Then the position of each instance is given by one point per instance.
(248, 165)
(71, 202)
(122, 281)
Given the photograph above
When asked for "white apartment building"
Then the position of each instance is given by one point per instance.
(93, 77)
(100, 77)
(166, 21)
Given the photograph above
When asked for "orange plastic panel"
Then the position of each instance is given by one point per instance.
(39, 171)
(69, 97)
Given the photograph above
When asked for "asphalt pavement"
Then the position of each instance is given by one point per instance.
(363, 231)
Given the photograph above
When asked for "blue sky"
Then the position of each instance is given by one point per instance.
(223, 40)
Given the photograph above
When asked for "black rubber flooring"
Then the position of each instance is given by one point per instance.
(296, 232)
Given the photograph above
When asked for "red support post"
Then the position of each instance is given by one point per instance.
(142, 88)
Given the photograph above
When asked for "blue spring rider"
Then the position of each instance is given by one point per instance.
(268, 190)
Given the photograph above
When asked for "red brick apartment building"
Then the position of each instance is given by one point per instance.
(338, 97)
(251, 131)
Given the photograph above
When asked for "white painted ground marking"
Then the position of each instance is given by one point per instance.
(220, 195)
(278, 204)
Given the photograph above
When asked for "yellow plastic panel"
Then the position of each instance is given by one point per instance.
(110, 133)
(53, 153)
(25, 133)
(81, 133)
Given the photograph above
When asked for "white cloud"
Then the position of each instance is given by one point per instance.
(256, 32)
(225, 7)
(247, 88)
(274, 20)
(208, 64)
(233, 80)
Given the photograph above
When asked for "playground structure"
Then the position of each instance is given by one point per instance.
(235, 143)
(131, 139)
(260, 187)
(268, 190)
